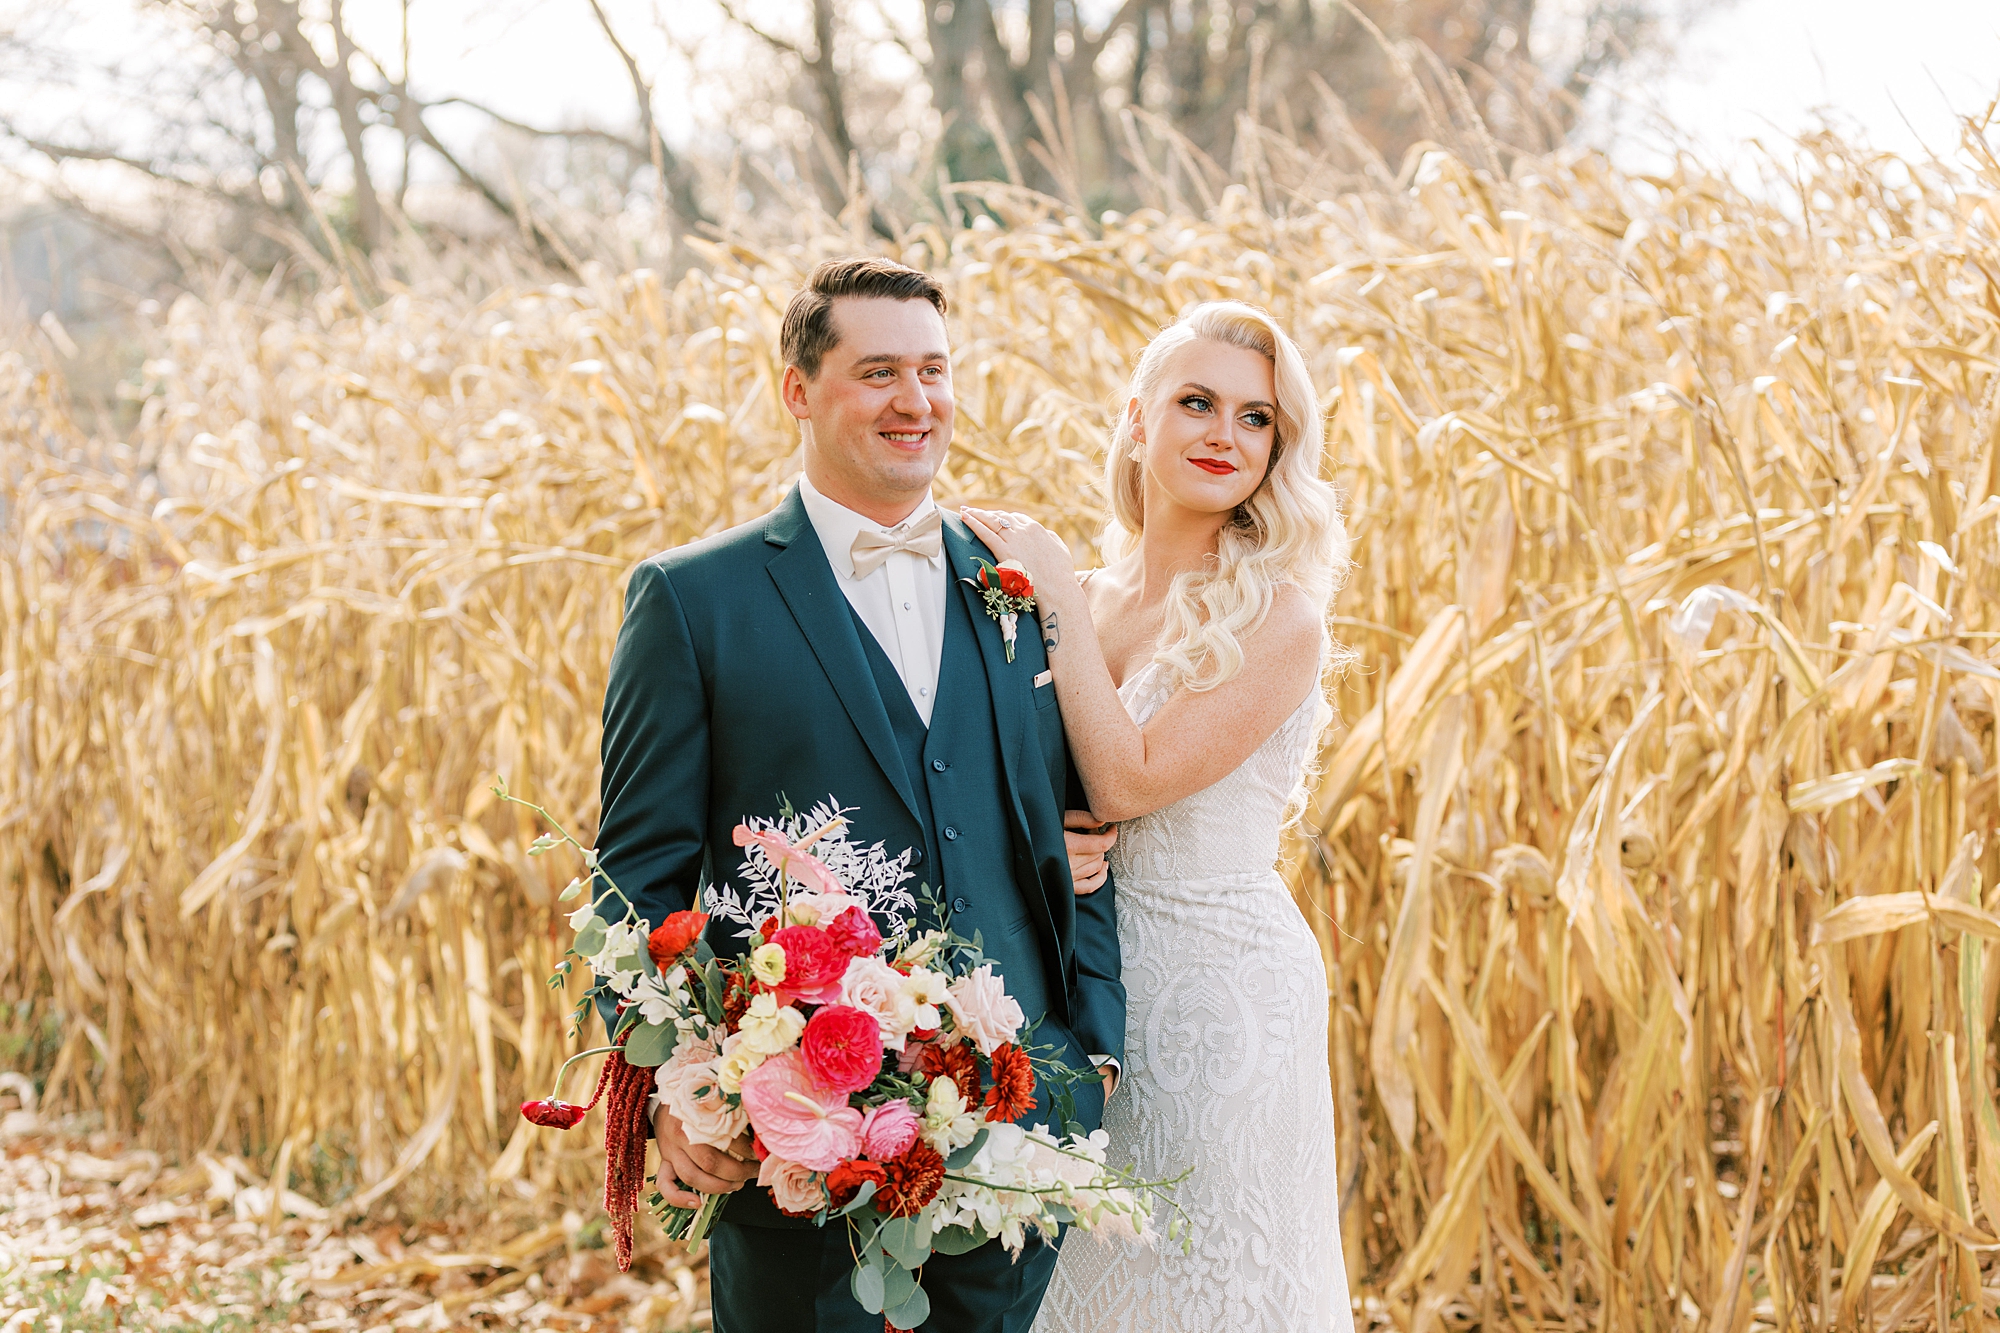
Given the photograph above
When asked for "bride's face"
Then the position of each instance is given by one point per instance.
(1206, 437)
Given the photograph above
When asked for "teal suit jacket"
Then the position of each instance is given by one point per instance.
(740, 674)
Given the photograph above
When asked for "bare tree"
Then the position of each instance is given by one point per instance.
(268, 81)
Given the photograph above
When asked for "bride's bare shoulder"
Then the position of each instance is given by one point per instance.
(1292, 621)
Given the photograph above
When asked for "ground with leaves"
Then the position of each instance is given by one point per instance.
(97, 1235)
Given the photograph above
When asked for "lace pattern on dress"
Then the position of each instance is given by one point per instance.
(1226, 1067)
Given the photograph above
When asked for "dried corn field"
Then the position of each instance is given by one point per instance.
(1651, 856)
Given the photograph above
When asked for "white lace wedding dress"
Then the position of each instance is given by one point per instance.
(1225, 1069)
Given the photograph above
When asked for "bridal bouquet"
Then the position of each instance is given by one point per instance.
(881, 1079)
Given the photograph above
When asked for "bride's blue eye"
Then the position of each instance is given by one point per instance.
(1194, 402)
(1258, 420)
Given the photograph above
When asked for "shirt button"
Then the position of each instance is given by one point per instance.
(939, 765)
(906, 606)
(959, 906)
(924, 690)
(950, 833)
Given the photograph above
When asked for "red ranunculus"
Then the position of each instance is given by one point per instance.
(845, 1181)
(854, 931)
(957, 1063)
(1015, 582)
(675, 937)
(842, 1047)
(814, 965)
(913, 1180)
(736, 999)
(553, 1114)
(1013, 1092)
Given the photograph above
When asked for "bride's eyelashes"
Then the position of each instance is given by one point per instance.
(1196, 402)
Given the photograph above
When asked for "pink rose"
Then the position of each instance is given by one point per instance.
(842, 1048)
(687, 1087)
(854, 931)
(794, 1188)
(876, 989)
(888, 1129)
(813, 965)
(983, 1009)
(796, 1118)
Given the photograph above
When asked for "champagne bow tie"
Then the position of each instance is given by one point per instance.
(871, 547)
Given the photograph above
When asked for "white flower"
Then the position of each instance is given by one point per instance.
(767, 963)
(920, 951)
(948, 1125)
(926, 987)
(768, 1027)
(876, 989)
(659, 1001)
(983, 1010)
(581, 915)
(807, 908)
(734, 1064)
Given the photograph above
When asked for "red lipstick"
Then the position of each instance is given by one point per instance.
(1220, 467)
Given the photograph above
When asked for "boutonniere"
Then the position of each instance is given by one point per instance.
(1008, 592)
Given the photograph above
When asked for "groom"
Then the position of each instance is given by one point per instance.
(829, 649)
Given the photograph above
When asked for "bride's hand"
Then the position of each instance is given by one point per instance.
(1012, 536)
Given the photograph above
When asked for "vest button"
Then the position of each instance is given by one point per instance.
(916, 856)
(959, 906)
(950, 833)
(939, 765)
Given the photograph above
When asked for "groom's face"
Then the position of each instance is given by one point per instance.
(880, 408)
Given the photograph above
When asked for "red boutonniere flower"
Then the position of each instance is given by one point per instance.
(1008, 593)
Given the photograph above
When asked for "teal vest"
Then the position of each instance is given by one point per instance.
(954, 768)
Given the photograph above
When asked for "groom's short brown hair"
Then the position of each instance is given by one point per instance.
(808, 332)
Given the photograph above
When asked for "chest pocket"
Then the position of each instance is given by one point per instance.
(1045, 690)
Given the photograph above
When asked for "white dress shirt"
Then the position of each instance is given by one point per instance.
(901, 601)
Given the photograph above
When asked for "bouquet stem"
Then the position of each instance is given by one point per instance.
(691, 1225)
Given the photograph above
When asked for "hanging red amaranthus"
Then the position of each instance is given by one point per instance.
(627, 1088)
(624, 1089)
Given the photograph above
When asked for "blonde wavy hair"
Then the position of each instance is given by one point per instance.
(1288, 531)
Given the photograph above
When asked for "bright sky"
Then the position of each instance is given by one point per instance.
(1898, 71)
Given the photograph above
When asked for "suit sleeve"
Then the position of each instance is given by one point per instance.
(656, 753)
(1100, 1008)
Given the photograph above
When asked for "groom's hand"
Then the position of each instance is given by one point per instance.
(698, 1166)
(1088, 839)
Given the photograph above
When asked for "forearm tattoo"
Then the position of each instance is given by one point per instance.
(1051, 632)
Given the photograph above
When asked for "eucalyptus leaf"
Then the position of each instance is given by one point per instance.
(911, 1312)
(868, 1288)
(860, 1199)
(958, 1240)
(958, 1160)
(589, 939)
(636, 961)
(900, 1282)
(905, 1240)
(650, 1045)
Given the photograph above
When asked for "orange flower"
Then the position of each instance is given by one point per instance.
(957, 1063)
(675, 937)
(913, 1180)
(1013, 1093)
(845, 1180)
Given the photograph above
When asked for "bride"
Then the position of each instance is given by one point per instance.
(1188, 676)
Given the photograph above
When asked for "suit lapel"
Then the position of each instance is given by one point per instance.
(1009, 683)
(806, 581)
